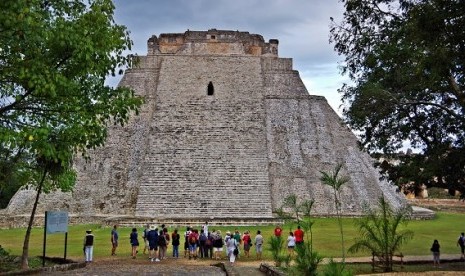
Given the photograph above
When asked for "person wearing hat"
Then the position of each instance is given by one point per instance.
(152, 237)
(89, 245)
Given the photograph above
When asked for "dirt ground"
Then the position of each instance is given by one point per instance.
(183, 266)
(170, 266)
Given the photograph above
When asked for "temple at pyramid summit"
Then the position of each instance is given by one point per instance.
(227, 131)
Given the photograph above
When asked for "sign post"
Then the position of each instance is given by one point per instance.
(55, 222)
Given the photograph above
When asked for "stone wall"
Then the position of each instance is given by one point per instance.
(310, 139)
(206, 152)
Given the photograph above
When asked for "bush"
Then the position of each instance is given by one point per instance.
(336, 269)
(277, 252)
(306, 261)
(435, 192)
(6, 261)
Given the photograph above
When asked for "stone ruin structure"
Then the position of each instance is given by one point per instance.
(227, 131)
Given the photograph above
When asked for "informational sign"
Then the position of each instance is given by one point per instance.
(56, 222)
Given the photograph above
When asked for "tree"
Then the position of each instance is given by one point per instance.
(406, 59)
(54, 58)
(336, 182)
(11, 178)
(379, 232)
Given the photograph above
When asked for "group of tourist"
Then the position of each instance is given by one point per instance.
(209, 244)
(294, 239)
(197, 244)
(435, 249)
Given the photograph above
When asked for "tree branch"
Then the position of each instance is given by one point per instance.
(456, 90)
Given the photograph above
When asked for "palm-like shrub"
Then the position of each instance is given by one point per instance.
(380, 233)
(307, 260)
(276, 246)
(335, 181)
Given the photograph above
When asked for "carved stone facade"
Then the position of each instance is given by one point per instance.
(227, 130)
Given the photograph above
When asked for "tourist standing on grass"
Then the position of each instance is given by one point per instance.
(226, 239)
(278, 231)
(299, 236)
(167, 237)
(461, 243)
(193, 243)
(258, 245)
(134, 240)
(435, 249)
(291, 243)
(152, 236)
(205, 228)
(162, 245)
(238, 238)
(89, 246)
(247, 240)
(203, 244)
(209, 246)
(175, 241)
(146, 241)
(114, 240)
(231, 246)
(217, 244)
(186, 241)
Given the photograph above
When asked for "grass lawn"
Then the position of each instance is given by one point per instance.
(445, 227)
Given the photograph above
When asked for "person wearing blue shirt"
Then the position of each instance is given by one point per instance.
(152, 237)
(114, 240)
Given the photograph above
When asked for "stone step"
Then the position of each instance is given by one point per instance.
(141, 221)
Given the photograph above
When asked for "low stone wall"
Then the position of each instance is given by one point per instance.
(17, 221)
(270, 270)
(62, 267)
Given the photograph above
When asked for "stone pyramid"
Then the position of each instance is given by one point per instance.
(228, 130)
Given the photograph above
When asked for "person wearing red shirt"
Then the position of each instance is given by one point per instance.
(299, 236)
(278, 231)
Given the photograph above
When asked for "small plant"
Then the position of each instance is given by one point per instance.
(336, 182)
(276, 246)
(306, 261)
(380, 234)
(6, 261)
(337, 269)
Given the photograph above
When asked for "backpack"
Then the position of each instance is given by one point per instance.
(161, 240)
(89, 240)
(208, 242)
(192, 239)
(203, 238)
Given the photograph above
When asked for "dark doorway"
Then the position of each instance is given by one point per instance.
(210, 89)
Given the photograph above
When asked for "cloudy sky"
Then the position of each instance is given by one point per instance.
(301, 26)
